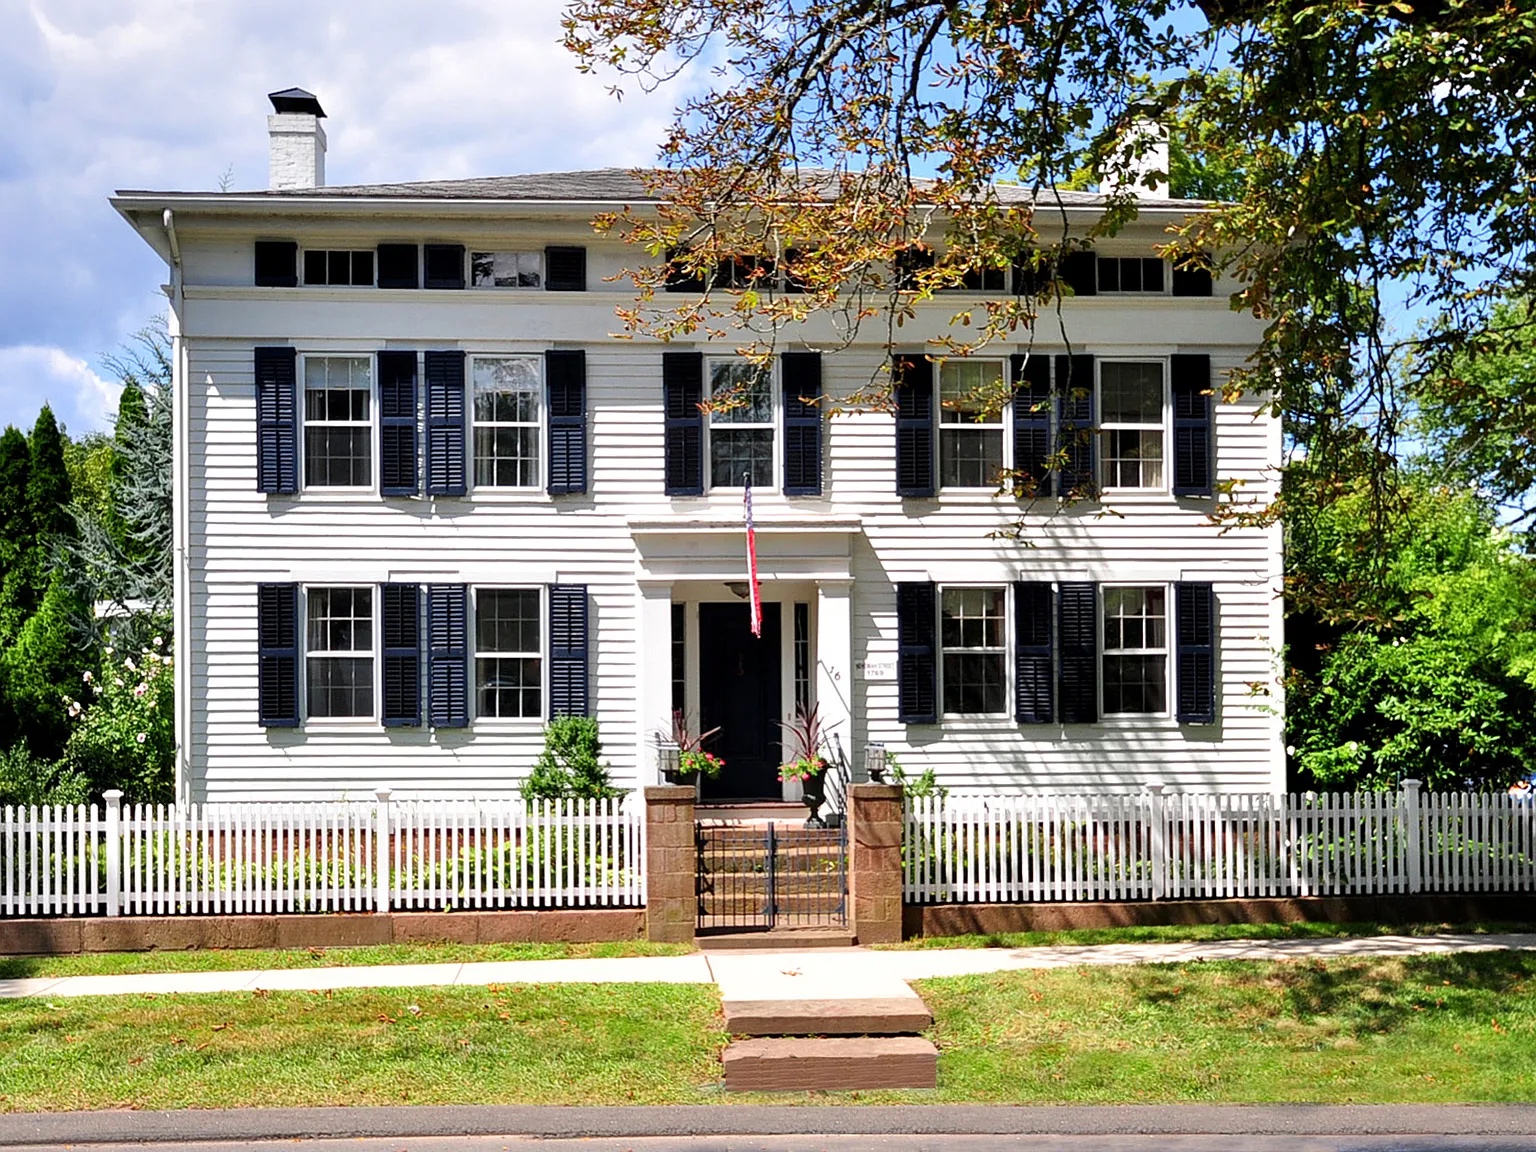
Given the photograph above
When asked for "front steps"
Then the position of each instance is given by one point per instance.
(883, 1017)
(830, 1062)
(774, 940)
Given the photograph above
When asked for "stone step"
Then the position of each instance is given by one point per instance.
(803, 1064)
(893, 1016)
(774, 940)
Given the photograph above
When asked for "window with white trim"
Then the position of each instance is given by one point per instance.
(1132, 420)
(506, 269)
(741, 423)
(338, 652)
(509, 661)
(505, 433)
(338, 421)
(973, 638)
(971, 440)
(1135, 650)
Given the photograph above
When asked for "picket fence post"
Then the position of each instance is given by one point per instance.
(1411, 817)
(114, 806)
(381, 851)
(1159, 839)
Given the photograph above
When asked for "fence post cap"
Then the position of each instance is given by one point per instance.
(383, 793)
(113, 795)
(1154, 786)
(1412, 785)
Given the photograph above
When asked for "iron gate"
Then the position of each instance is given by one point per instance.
(771, 876)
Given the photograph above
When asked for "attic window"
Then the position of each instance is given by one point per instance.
(507, 269)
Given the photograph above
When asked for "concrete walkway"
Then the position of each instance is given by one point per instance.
(816, 974)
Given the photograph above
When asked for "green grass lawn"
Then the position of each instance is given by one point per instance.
(1183, 932)
(545, 1044)
(229, 960)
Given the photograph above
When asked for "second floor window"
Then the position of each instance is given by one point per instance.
(741, 423)
(338, 424)
(506, 269)
(506, 421)
(973, 636)
(970, 423)
(1131, 417)
(338, 652)
(508, 668)
(338, 268)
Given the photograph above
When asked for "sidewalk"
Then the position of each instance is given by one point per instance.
(819, 974)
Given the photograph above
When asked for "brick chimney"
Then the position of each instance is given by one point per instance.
(297, 155)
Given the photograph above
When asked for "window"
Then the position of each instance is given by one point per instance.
(970, 423)
(741, 423)
(984, 280)
(508, 674)
(338, 425)
(1130, 274)
(802, 642)
(1131, 408)
(1135, 650)
(506, 421)
(338, 654)
(973, 636)
(680, 658)
(338, 268)
(507, 269)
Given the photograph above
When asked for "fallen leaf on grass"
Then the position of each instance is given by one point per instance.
(383, 1019)
(219, 1027)
(201, 1046)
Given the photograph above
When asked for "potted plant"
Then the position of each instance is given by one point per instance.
(693, 762)
(807, 766)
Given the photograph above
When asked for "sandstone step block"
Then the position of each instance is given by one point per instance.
(804, 1064)
(783, 940)
(885, 1016)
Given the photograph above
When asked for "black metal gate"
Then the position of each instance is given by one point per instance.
(771, 876)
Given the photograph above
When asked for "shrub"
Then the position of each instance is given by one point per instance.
(126, 737)
(570, 765)
(26, 780)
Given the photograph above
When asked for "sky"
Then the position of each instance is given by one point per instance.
(100, 95)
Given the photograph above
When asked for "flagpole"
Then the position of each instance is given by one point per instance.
(756, 594)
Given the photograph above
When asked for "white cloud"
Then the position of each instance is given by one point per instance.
(32, 375)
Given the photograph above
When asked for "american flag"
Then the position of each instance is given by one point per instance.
(757, 598)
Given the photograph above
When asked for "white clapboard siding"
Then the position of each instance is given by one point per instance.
(1136, 846)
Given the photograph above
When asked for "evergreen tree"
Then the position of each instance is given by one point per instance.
(131, 425)
(41, 668)
(15, 534)
(48, 485)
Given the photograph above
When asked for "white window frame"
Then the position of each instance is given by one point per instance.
(541, 593)
(537, 253)
(373, 423)
(774, 425)
(1006, 651)
(1102, 428)
(541, 419)
(1104, 651)
(375, 655)
(1165, 290)
(1002, 426)
(373, 257)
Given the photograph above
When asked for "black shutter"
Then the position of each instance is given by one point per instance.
(277, 655)
(680, 276)
(1028, 279)
(1079, 272)
(1032, 425)
(909, 262)
(802, 423)
(277, 420)
(1195, 608)
(1033, 671)
(917, 657)
(565, 269)
(397, 424)
(1074, 423)
(1191, 280)
(682, 385)
(1191, 380)
(277, 264)
(444, 264)
(912, 380)
(448, 655)
(445, 424)
(1078, 645)
(565, 382)
(398, 266)
(568, 651)
(402, 655)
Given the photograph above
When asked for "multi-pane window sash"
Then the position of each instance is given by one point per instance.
(1131, 274)
(973, 639)
(338, 425)
(338, 652)
(1135, 651)
(505, 435)
(338, 268)
(741, 423)
(509, 682)
(1132, 416)
(970, 423)
(507, 269)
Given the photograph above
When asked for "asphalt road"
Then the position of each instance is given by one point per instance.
(746, 1128)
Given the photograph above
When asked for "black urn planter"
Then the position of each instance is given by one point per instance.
(813, 791)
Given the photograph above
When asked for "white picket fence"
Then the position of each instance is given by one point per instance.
(1151, 846)
(378, 855)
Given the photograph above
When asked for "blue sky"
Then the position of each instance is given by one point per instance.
(97, 95)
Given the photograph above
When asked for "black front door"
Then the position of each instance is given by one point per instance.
(739, 694)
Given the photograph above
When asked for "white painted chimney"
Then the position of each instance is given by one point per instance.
(297, 156)
(1144, 152)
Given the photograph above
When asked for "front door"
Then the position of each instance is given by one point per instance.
(739, 694)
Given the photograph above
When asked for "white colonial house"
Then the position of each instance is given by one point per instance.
(427, 500)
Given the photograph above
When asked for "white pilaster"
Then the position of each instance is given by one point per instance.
(834, 659)
(653, 668)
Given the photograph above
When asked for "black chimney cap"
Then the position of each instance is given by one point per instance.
(295, 100)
